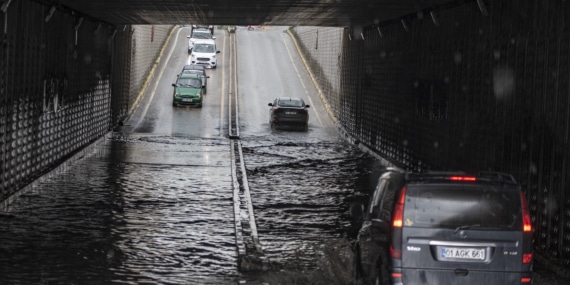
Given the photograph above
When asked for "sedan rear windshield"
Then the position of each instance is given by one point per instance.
(468, 206)
(291, 103)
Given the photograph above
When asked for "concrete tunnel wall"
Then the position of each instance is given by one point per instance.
(65, 81)
(470, 88)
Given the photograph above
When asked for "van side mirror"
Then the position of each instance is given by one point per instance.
(217, 51)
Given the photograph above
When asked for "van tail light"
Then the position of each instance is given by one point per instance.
(396, 275)
(397, 220)
(395, 253)
(527, 225)
(526, 280)
(463, 178)
(397, 223)
(527, 258)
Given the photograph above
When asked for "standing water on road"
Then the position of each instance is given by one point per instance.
(152, 210)
(302, 191)
(158, 210)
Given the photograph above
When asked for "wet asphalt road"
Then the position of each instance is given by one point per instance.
(153, 204)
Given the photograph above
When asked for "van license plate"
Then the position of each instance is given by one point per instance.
(463, 253)
(290, 113)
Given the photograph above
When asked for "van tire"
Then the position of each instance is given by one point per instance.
(356, 276)
(383, 275)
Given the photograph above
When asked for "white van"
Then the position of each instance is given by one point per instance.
(198, 34)
(204, 53)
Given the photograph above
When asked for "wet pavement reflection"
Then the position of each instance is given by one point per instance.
(121, 216)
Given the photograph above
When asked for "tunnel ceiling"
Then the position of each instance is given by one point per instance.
(246, 12)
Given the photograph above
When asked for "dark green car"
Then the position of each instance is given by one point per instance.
(188, 90)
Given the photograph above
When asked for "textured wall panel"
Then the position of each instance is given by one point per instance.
(55, 89)
(64, 82)
(464, 91)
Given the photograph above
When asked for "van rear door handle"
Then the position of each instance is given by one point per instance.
(461, 272)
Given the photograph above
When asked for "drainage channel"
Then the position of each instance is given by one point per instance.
(249, 250)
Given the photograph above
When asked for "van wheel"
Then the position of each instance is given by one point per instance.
(356, 267)
(382, 274)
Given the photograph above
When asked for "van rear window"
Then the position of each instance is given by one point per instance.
(453, 206)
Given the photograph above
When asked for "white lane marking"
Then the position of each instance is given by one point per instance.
(301, 80)
(222, 98)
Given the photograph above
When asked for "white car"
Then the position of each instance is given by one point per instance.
(198, 34)
(204, 53)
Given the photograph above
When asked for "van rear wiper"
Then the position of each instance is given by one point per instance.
(466, 227)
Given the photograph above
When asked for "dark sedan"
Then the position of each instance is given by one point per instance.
(198, 69)
(289, 111)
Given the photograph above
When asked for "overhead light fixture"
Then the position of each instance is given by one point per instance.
(362, 35)
(97, 29)
(482, 8)
(114, 33)
(404, 24)
(434, 18)
(380, 32)
(79, 22)
(5, 5)
(49, 14)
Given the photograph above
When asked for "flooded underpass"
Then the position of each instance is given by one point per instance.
(158, 210)
(156, 203)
